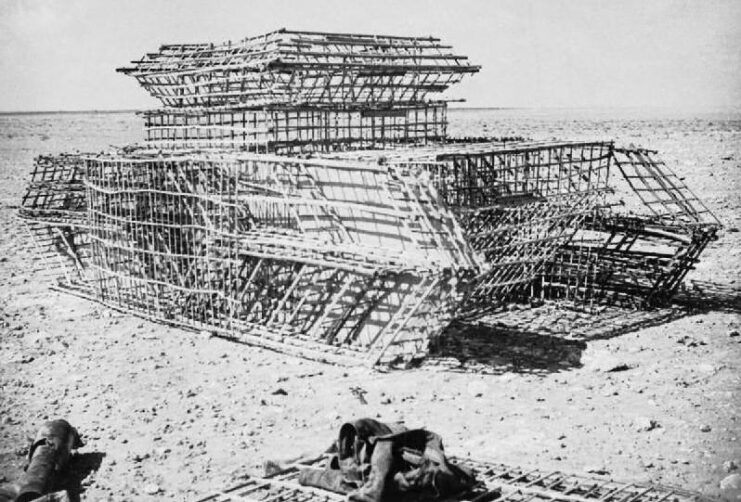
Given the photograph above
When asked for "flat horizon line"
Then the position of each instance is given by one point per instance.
(736, 108)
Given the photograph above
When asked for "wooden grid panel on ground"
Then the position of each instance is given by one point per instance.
(496, 482)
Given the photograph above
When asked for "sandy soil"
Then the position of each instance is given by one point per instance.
(172, 414)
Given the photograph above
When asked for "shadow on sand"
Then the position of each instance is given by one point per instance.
(551, 337)
(80, 467)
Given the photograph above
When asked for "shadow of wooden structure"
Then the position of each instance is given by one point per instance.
(548, 337)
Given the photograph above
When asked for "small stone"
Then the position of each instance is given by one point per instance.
(705, 428)
(731, 487)
(604, 362)
(598, 470)
(151, 488)
(690, 341)
(279, 392)
(733, 332)
(729, 466)
(644, 424)
(620, 366)
(333, 417)
(476, 388)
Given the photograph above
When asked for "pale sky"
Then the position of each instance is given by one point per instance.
(61, 54)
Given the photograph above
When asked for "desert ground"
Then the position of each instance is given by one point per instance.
(173, 414)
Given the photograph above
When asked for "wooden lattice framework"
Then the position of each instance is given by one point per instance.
(364, 250)
(300, 68)
(634, 252)
(294, 130)
(296, 91)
